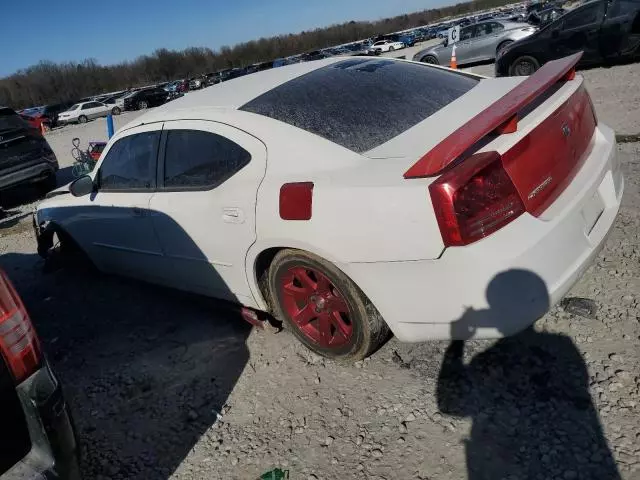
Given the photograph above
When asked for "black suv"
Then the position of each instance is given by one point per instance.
(37, 438)
(25, 155)
(148, 97)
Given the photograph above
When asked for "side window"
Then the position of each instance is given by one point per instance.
(483, 29)
(621, 7)
(582, 17)
(130, 163)
(496, 27)
(466, 33)
(86, 106)
(196, 159)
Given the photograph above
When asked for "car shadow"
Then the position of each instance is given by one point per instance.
(527, 395)
(147, 370)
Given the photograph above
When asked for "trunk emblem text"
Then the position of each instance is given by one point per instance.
(540, 187)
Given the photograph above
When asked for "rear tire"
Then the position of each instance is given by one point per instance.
(391, 48)
(82, 119)
(430, 59)
(142, 105)
(115, 111)
(322, 307)
(524, 66)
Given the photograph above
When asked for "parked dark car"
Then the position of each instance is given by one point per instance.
(37, 438)
(605, 31)
(25, 155)
(236, 73)
(145, 98)
(47, 114)
(408, 39)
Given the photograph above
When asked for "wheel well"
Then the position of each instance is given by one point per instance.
(261, 266)
(501, 44)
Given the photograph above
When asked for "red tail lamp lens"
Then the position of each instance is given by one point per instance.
(19, 344)
(474, 199)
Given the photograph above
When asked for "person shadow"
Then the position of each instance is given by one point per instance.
(527, 395)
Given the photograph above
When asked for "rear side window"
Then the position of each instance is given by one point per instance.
(195, 159)
(362, 103)
(580, 18)
(130, 164)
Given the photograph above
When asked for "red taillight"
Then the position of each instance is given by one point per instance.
(19, 344)
(474, 199)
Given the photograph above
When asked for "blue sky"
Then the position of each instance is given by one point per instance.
(115, 30)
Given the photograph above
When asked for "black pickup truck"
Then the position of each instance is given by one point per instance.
(605, 30)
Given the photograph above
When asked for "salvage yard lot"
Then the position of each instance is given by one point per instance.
(167, 385)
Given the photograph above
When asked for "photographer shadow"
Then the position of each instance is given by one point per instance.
(527, 395)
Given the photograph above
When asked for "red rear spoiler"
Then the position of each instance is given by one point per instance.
(500, 117)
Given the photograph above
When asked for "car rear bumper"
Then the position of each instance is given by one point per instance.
(54, 450)
(505, 282)
(32, 173)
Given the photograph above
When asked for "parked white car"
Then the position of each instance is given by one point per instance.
(83, 112)
(349, 204)
(385, 46)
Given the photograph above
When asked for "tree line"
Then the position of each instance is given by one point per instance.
(48, 82)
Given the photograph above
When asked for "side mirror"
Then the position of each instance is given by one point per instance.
(81, 186)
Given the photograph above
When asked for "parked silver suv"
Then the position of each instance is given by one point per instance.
(478, 42)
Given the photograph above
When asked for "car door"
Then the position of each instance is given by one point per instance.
(485, 41)
(579, 30)
(463, 46)
(91, 110)
(102, 109)
(114, 223)
(84, 110)
(617, 36)
(160, 96)
(204, 209)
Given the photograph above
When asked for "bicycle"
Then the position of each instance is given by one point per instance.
(85, 160)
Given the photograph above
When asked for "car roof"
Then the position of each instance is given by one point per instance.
(232, 94)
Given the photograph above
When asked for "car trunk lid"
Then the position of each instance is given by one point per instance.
(541, 127)
(516, 154)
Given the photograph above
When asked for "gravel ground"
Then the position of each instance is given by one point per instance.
(167, 385)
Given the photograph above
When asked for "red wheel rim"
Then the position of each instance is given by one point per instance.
(316, 307)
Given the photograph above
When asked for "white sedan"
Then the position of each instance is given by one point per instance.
(385, 46)
(423, 204)
(85, 111)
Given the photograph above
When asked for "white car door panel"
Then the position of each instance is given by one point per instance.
(114, 224)
(204, 215)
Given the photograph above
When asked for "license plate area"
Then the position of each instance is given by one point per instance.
(591, 212)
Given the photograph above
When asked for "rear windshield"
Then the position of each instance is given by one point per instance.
(10, 120)
(362, 103)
